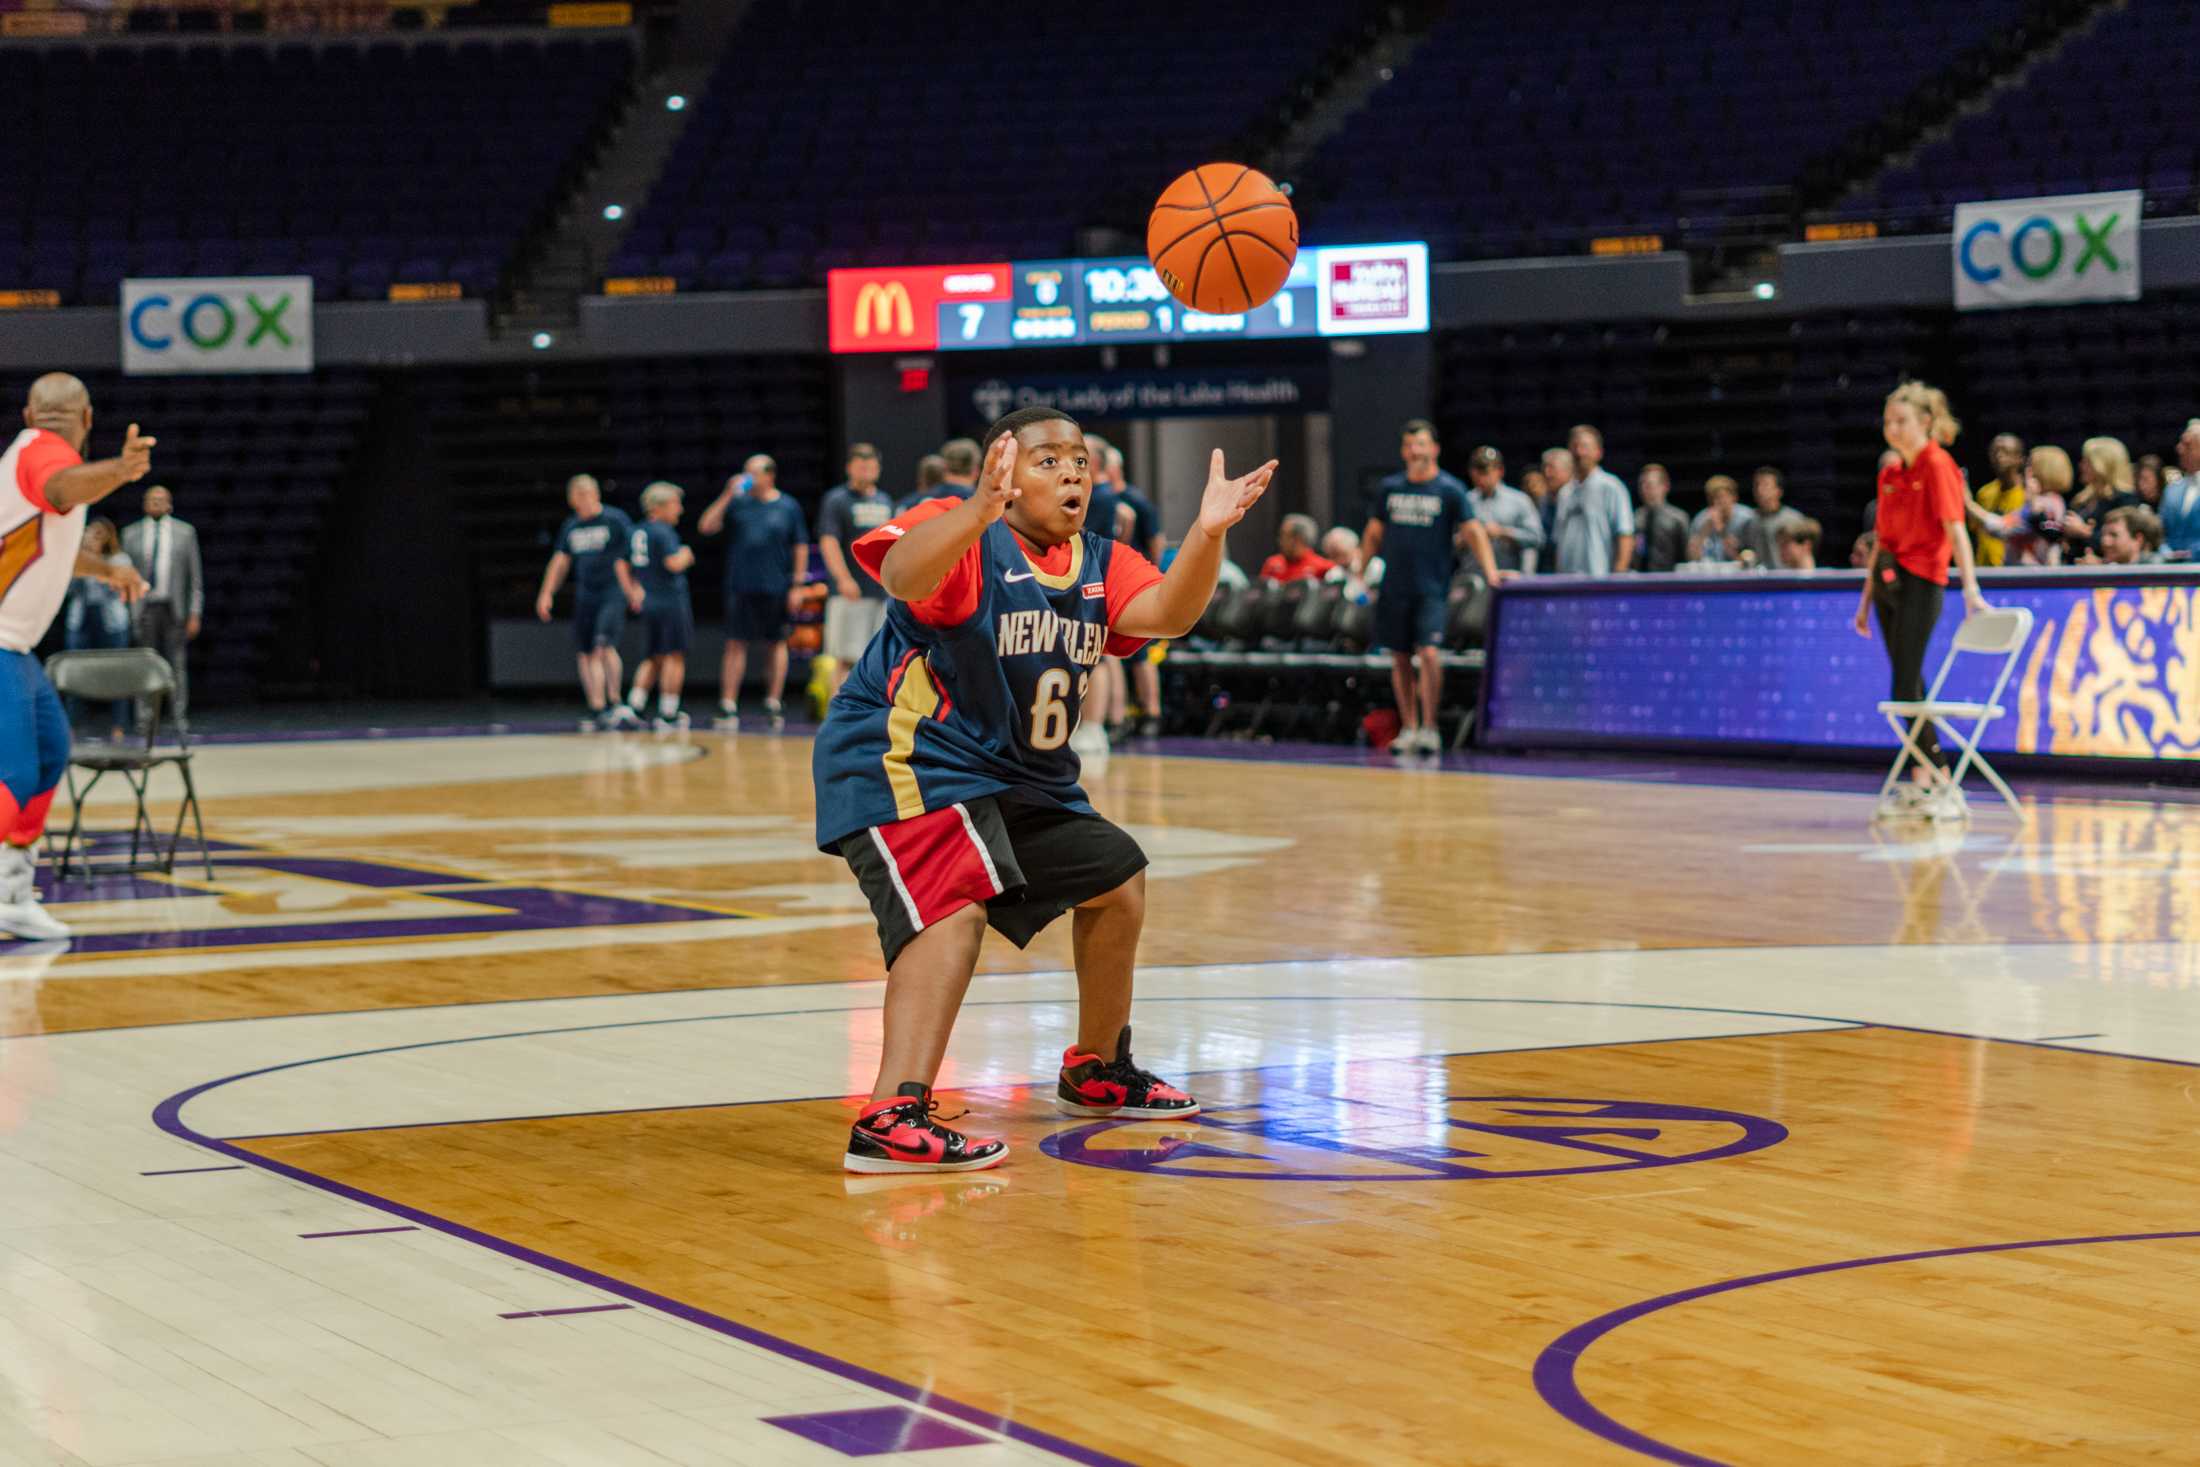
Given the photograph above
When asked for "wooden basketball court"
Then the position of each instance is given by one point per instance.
(486, 1105)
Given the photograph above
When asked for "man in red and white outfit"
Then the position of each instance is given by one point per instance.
(45, 485)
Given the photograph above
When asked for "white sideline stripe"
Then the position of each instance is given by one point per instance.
(983, 854)
(340, 955)
(894, 873)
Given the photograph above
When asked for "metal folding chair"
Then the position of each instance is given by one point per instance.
(137, 673)
(2001, 633)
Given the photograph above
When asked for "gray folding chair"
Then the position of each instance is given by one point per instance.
(143, 675)
(2000, 633)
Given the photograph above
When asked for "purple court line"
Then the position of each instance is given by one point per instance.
(554, 1313)
(2059, 1038)
(361, 1232)
(185, 1171)
(1555, 1368)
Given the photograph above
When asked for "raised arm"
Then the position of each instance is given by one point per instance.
(921, 559)
(714, 515)
(88, 483)
(1173, 607)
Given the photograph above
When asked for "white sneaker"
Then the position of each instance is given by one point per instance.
(727, 718)
(1089, 741)
(18, 875)
(1432, 742)
(623, 716)
(1948, 804)
(1407, 744)
(30, 920)
(1906, 801)
(776, 713)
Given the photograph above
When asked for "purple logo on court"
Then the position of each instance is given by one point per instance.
(1462, 1138)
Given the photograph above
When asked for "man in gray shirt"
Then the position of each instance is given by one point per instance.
(1761, 536)
(1514, 523)
(1595, 530)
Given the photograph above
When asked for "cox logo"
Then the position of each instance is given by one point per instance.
(236, 325)
(207, 321)
(2038, 246)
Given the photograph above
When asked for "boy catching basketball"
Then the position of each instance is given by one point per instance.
(945, 777)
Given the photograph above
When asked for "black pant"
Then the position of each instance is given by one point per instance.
(160, 627)
(1908, 612)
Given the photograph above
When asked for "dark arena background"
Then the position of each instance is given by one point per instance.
(1652, 847)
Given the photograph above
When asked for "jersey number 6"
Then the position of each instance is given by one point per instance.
(1051, 718)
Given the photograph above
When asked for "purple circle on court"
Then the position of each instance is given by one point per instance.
(1298, 1138)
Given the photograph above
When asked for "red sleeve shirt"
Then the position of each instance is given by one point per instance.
(43, 457)
(1916, 501)
(1130, 576)
(955, 601)
(1308, 567)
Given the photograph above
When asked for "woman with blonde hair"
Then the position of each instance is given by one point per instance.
(2104, 474)
(1920, 526)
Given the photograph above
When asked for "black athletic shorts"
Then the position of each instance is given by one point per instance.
(1027, 860)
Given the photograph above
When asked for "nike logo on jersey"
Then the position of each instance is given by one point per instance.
(1018, 575)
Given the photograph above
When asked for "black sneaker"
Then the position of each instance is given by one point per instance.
(1092, 1086)
(900, 1135)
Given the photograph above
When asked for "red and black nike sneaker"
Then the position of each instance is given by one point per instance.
(900, 1135)
(1092, 1086)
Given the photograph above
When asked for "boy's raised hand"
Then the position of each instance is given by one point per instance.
(996, 482)
(1226, 500)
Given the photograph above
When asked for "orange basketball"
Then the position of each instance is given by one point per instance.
(1222, 238)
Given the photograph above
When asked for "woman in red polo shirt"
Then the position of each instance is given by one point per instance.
(1920, 526)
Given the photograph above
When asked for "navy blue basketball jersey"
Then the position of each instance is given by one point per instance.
(1421, 531)
(656, 542)
(974, 691)
(593, 544)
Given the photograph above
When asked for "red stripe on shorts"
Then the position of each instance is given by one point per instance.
(941, 865)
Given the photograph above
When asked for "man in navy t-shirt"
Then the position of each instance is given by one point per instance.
(592, 546)
(767, 557)
(1418, 522)
(660, 565)
(858, 605)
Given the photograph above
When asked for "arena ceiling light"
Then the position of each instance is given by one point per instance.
(676, 103)
(614, 212)
(542, 340)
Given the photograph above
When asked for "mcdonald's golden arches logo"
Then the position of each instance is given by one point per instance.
(882, 309)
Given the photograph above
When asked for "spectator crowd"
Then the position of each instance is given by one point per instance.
(1572, 515)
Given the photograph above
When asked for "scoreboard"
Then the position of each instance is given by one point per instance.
(1333, 290)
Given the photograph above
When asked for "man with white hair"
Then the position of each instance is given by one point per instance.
(2180, 510)
(45, 486)
(592, 547)
(1295, 558)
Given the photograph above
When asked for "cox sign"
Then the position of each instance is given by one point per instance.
(2028, 252)
(252, 324)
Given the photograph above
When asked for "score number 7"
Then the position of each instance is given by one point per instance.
(972, 318)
